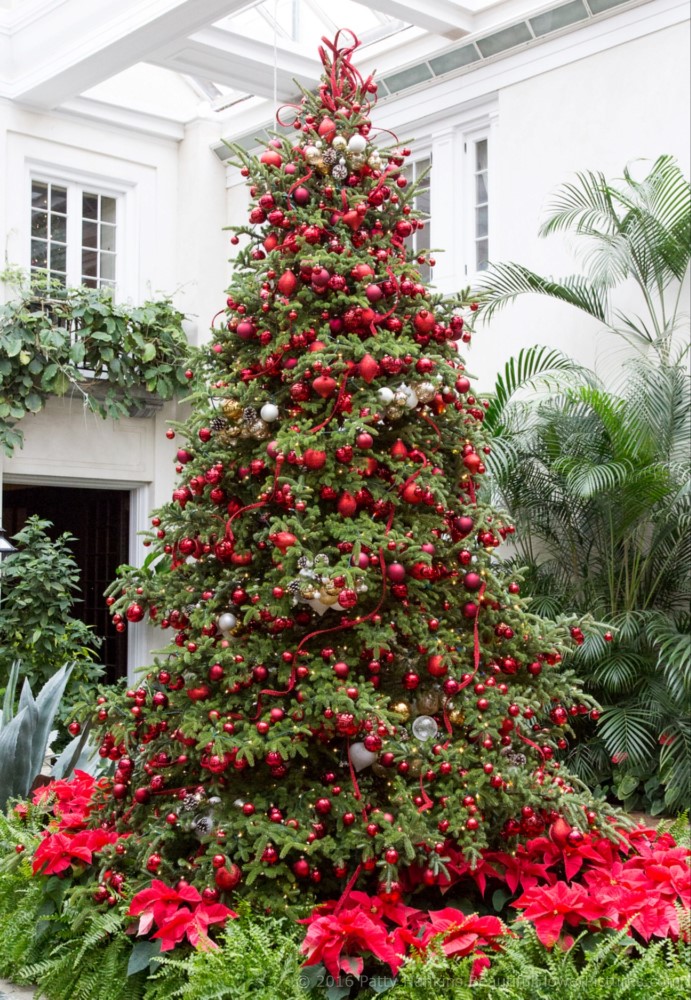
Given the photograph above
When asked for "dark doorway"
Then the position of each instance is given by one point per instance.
(100, 521)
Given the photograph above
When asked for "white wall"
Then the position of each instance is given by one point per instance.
(599, 113)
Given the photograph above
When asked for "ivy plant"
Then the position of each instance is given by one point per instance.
(54, 341)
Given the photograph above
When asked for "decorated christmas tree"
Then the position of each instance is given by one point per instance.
(355, 693)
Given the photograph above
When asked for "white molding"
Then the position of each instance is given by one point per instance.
(89, 109)
(76, 481)
(411, 108)
(72, 48)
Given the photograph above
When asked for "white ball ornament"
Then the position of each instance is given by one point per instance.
(385, 394)
(227, 621)
(357, 143)
(360, 756)
(269, 412)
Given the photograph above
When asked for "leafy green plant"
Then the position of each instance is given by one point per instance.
(597, 483)
(596, 478)
(24, 736)
(53, 341)
(39, 584)
(631, 231)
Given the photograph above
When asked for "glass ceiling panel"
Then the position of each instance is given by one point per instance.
(304, 22)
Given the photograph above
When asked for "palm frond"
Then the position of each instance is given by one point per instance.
(584, 205)
(533, 369)
(627, 730)
(503, 283)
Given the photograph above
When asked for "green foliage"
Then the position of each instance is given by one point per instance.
(38, 590)
(596, 478)
(258, 957)
(596, 482)
(53, 341)
(634, 230)
(24, 737)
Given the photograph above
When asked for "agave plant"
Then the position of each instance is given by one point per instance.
(25, 735)
(634, 231)
(597, 481)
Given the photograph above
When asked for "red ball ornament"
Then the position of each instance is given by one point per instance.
(347, 505)
(314, 459)
(396, 572)
(134, 613)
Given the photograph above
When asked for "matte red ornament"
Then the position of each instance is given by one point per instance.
(324, 386)
(368, 368)
(287, 283)
(347, 505)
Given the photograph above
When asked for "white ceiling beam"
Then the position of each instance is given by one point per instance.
(239, 62)
(440, 17)
(79, 43)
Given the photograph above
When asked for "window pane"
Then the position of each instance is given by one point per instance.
(39, 253)
(481, 255)
(58, 228)
(89, 263)
(39, 224)
(481, 221)
(90, 282)
(422, 202)
(90, 206)
(481, 155)
(58, 257)
(480, 188)
(107, 209)
(58, 199)
(39, 194)
(107, 237)
(108, 266)
(89, 234)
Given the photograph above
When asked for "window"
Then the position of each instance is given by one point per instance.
(481, 221)
(418, 172)
(73, 233)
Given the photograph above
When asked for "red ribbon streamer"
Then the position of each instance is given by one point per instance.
(337, 404)
(426, 800)
(260, 503)
(356, 787)
(531, 744)
(347, 891)
(324, 631)
(434, 427)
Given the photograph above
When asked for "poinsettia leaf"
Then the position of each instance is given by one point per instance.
(380, 984)
(312, 975)
(141, 956)
(337, 992)
(499, 899)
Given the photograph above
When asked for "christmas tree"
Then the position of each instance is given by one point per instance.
(355, 691)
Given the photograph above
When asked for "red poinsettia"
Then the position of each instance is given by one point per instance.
(159, 902)
(339, 940)
(59, 851)
(549, 908)
(193, 925)
(379, 907)
(462, 934)
(71, 800)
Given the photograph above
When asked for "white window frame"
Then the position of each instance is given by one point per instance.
(469, 202)
(422, 237)
(76, 184)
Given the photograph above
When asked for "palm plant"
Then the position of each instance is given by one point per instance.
(597, 479)
(636, 231)
(597, 482)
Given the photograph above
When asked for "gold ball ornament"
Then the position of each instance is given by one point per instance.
(415, 766)
(326, 598)
(425, 392)
(339, 142)
(232, 409)
(401, 709)
(456, 716)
